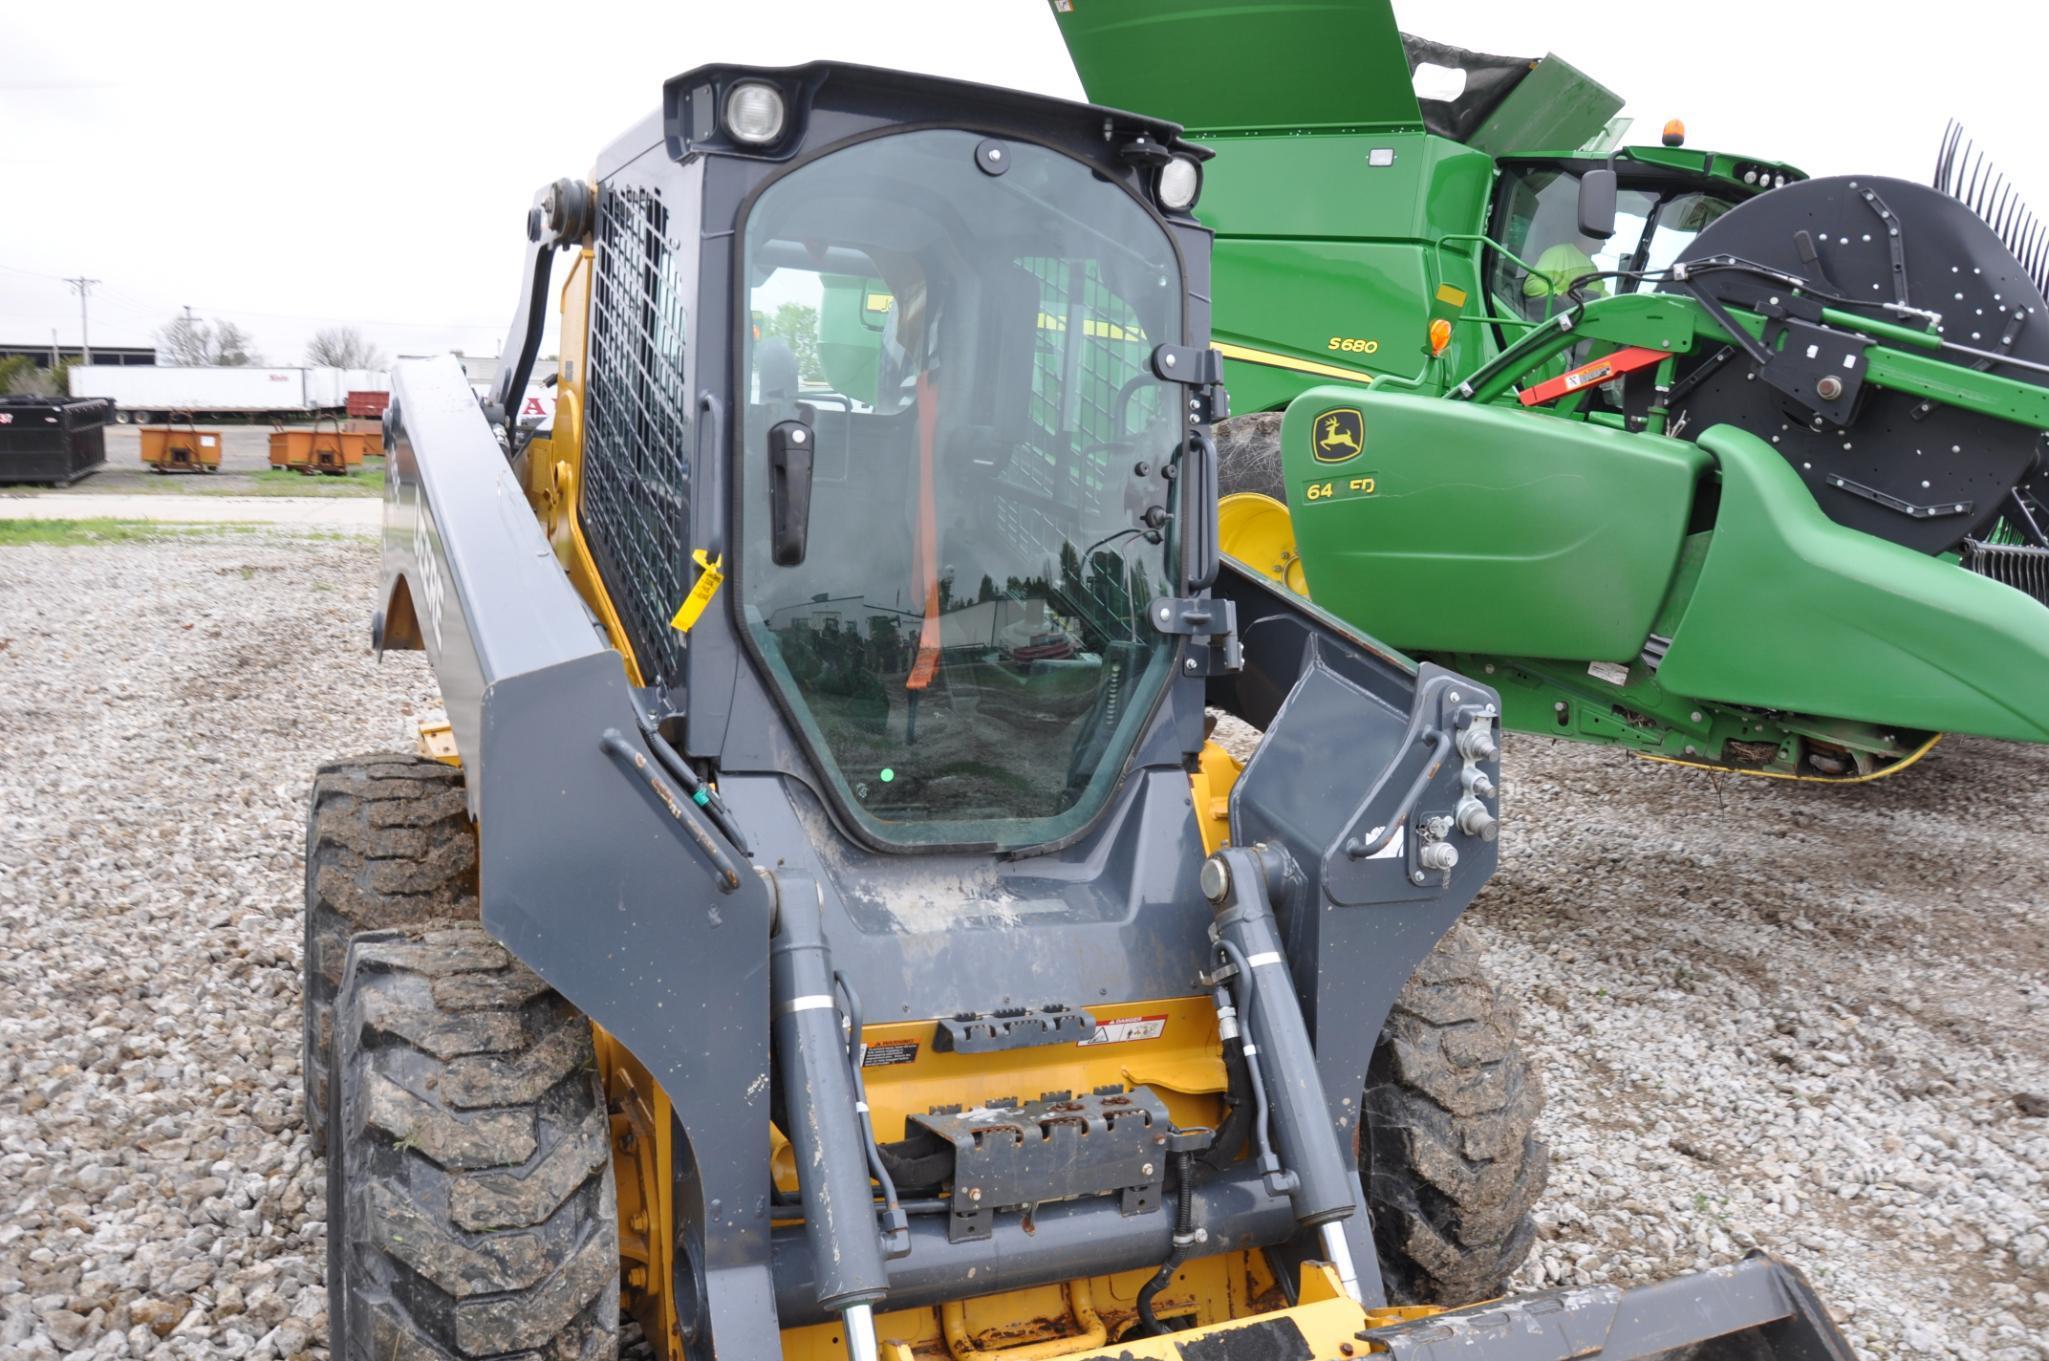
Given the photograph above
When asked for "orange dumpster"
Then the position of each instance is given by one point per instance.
(321, 450)
(181, 449)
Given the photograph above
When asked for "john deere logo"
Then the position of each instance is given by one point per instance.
(1340, 434)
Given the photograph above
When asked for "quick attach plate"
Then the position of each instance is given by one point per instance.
(1007, 1155)
(975, 1032)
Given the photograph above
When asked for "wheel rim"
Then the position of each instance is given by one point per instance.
(1256, 529)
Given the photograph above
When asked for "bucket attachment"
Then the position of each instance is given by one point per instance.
(1758, 1309)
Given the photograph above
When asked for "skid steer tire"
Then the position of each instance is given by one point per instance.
(1249, 455)
(388, 843)
(1452, 1164)
(470, 1208)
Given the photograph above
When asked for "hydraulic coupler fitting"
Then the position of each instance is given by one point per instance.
(1304, 1134)
(825, 1126)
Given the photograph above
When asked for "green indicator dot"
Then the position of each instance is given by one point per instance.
(888, 774)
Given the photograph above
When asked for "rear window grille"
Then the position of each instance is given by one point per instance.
(636, 462)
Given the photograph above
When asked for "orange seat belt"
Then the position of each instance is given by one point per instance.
(925, 564)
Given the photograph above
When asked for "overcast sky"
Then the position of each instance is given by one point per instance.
(294, 166)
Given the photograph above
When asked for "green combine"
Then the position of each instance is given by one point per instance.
(1684, 451)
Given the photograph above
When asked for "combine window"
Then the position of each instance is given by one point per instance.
(1537, 219)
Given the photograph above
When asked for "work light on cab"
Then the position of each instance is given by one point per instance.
(754, 112)
(1180, 182)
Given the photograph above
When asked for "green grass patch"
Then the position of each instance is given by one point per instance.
(100, 531)
(106, 530)
(285, 482)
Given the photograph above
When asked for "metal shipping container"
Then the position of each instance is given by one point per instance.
(51, 439)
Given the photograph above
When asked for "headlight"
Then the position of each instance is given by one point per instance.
(754, 112)
(1180, 181)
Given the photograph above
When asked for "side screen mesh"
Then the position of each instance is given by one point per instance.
(636, 469)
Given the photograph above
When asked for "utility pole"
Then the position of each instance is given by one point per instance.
(53, 347)
(84, 286)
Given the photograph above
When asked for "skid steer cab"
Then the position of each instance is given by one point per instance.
(833, 934)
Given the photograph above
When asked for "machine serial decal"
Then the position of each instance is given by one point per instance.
(1338, 489)
(1340, 434)
(1125, 1031)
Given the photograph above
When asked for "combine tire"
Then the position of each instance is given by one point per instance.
(1249, 455)
(388, 843)
(470, 1207)
(1452, 1163)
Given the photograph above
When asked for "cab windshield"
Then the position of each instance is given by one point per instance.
(961, 636)
(1537, 219)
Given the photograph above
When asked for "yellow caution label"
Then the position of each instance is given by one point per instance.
(1451, 296)
(708, 583)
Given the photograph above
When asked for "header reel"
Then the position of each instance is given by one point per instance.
(1837, 268)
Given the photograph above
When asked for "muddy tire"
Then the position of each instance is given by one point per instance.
(1452, 1164)
(470, 1208)
(388, 843)
(1249, 455)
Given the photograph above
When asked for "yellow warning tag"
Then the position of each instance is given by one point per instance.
(1451, 296)
(707, 586)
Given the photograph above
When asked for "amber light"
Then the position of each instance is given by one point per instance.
(1675, 132)
(1440, 336)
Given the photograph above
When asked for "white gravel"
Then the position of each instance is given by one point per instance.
(1809, 1019)
(164, 707)
(1768, 1015)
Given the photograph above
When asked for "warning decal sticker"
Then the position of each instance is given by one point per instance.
(1126, 1030)
(890, 1052)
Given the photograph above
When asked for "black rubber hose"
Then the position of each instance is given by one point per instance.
(1262, 1132)
(701, 794)
(1149, 1324)
(896, 1234)
(1236, 1126)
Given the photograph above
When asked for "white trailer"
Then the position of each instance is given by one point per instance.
(153, 392)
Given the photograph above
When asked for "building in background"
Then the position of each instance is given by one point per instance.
(125, 356)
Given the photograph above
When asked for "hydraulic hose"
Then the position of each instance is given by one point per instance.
(701, 794)
(1278, 1179)
(896, 1230)
(1186, 1236)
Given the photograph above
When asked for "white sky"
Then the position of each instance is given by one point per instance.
(292, 166)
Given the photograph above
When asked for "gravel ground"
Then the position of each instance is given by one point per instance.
(1813, 1020)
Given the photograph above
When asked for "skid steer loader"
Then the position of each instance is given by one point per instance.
(832, 935)
(1684, 451)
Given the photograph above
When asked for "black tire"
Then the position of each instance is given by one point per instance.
(1452, 1163)
(1249, 455)
(388, 843)
(470, 1208)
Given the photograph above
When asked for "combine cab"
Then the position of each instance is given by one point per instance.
(1686, 452)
